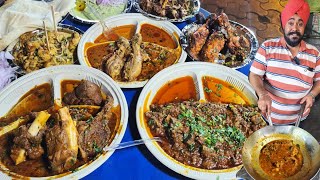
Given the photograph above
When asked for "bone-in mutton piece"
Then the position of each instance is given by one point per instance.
(40, 121)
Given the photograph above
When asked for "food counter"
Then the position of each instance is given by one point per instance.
(138, 162)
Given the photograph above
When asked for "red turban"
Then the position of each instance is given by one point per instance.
(299, 7)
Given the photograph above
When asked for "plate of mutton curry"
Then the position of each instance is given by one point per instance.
(55, 122)
(134, 49)
(203, 113)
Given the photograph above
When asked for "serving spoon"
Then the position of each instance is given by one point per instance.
(131, 143)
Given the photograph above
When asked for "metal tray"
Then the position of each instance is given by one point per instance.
(254, 45)
(196, 9)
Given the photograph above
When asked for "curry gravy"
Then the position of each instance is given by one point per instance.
(96, 53)
(153, 34)
(281, 159)
(216, 90)
(37, 99)
(177, 90)
(126, 31)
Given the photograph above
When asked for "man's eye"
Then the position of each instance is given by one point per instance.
(291, 23)
(301, 24)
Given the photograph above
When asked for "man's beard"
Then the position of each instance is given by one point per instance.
(294, 42)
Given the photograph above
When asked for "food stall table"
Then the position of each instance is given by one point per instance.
(137, 162)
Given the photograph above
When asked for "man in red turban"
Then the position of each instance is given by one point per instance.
(299, 9)
(286, 70)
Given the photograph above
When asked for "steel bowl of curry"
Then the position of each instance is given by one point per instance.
(55, 123)
(281, 152)
(203, 113)
(135, 50)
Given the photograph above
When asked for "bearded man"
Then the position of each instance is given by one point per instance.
(286, 70)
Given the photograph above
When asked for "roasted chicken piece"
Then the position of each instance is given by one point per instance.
(237, 43)
(224, 21)
(213, 46)
(197, 39)
(133, 66)
(62, 143)
(115, 63)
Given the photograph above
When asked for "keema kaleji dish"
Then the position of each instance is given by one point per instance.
(32, 52)
(206, 135)
(47, 139)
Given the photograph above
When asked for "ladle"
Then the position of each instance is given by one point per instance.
(131, 143)
(303, 106)
(299, 116)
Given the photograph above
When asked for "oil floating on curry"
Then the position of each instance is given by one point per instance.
(281, 159)
(46, 139)
(203, 133)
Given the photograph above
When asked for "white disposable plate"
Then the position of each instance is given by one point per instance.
(196, 70)
(11, 94)
(127, 19)
(82, 17)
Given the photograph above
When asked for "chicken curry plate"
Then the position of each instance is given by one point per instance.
(133, 57)
(47, 139)
(281, 159)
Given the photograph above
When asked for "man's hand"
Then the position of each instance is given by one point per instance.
(309, 100)
(264, 104)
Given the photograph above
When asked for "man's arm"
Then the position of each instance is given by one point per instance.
(257, 83)
(264, 102)
(310, 98)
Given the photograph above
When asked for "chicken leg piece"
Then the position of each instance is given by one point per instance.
(115, 63)
(133, 66)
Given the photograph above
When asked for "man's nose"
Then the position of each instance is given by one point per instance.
(295, 27)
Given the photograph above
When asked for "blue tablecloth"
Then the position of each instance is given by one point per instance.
(134, 162)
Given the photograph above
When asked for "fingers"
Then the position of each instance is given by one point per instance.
(265, 106)
(269, 109)
(306, 110)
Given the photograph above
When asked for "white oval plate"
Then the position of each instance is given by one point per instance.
(126, 19)
(11, 94)
(196, 70)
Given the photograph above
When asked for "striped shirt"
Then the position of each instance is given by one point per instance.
(286, 80)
